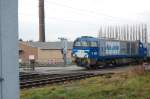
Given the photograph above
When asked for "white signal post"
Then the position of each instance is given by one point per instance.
(9, 67)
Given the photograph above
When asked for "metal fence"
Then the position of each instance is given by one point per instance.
(47, 63)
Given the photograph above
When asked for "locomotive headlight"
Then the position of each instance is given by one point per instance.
(82, 53)
(74, 55)
(86, 56)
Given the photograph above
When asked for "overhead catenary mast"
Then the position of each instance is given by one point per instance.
(9, 67)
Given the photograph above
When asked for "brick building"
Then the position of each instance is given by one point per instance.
(43, 52)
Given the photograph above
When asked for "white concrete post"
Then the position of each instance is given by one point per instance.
(9, 67)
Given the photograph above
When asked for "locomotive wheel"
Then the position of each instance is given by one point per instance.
(87, 63)
(78, 62)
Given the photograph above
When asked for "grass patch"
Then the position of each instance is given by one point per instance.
(119, 86)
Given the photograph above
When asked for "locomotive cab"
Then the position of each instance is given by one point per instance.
(85, 51)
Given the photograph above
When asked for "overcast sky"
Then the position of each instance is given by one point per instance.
(74, 18)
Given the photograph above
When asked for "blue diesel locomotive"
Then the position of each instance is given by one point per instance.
(92, 52)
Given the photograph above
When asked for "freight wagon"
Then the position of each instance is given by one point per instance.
(91, 52)
(148, 52)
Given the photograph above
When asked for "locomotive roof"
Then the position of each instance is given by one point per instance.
(86, 38)
(89, 38)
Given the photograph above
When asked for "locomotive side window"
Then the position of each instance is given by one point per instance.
(86, 44)
(93, 44)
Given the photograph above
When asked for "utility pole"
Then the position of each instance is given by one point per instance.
(64, 49)
(41, 21)
(9, 66)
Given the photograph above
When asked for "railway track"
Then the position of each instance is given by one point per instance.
(37, 80)
(30, 80)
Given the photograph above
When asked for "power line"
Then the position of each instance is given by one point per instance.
(62, 19)
(72, 21)
(84, 14)
(89, 11)
(78, 9)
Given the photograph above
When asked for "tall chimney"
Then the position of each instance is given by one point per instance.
(41, 21)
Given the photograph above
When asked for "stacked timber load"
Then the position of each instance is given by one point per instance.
(124, 32)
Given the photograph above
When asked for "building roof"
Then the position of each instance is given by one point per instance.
(48, 45)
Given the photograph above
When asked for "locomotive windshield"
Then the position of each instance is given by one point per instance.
(85, 44)
(77, 44)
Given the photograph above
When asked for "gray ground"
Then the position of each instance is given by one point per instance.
(57, 69)
(76, 69)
